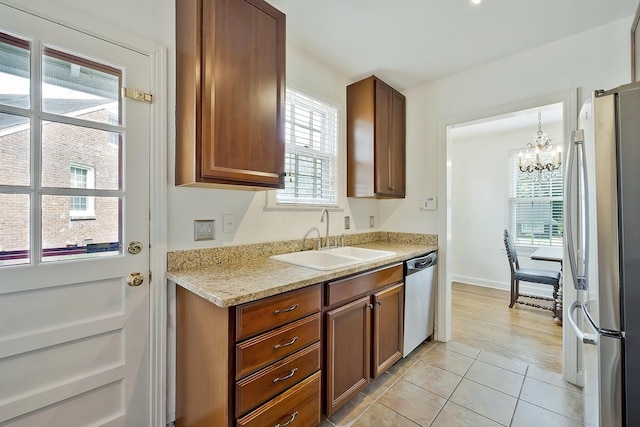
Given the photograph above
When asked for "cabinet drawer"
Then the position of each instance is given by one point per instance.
(263, 385)
(299, 405)
(265, 349)
(259, 316)
(346, 289)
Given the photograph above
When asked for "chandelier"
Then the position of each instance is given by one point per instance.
(540, 155)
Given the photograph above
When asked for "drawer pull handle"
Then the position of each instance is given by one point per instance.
(293, 371)
(287, 344)
(293, 417)
(293, 307)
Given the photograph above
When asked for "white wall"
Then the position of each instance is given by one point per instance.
(480, 202)
(309, 75)
(599, 58)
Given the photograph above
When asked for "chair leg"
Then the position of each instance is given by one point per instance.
(514, 293)
(554, 304)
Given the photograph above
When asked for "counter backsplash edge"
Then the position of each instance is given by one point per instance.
(198, 258)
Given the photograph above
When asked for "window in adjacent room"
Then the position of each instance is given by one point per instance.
(536, 206)
(311, 163)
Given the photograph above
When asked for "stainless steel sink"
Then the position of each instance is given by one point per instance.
(331, 259)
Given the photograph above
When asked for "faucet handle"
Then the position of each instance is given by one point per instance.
(342, 239)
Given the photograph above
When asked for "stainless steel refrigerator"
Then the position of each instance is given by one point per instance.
(602, 211)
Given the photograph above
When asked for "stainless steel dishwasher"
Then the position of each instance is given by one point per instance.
(419, 300)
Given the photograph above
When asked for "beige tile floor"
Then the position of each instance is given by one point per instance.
(454, 385)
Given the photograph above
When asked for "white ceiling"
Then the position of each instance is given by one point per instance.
(551, 115)
(410, 42)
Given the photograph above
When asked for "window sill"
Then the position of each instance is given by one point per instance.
(83, 218)
(271, 205)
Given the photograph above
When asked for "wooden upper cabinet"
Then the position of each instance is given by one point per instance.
(376, 153)
(230, 93)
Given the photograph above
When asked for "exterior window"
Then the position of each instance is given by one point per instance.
(81, 207)
(311, 152)
(536, 206)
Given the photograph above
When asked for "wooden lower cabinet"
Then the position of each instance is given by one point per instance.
(267, 379)
(363, 336)
(348, 344)
(279, 360)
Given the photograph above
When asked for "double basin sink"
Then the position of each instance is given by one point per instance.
(330, 259)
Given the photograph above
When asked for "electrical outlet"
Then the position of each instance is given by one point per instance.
(203, 229)
(372, 221)
(229, 223)
(347, 222)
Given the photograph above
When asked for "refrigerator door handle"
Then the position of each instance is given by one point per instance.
(568, 182)
(585, 338)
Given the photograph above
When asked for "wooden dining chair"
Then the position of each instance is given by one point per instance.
(544, 277)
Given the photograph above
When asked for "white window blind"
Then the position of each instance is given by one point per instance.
(536, 206)
(311, 164)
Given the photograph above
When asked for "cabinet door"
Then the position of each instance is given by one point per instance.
(230, 90)
(348, 347)
(243, 94)
(389, 141)
(383, 126)
(388, 325)
(397, 151)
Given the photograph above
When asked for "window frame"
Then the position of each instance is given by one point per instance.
(555, 186)
(89, 201)
(326, 152)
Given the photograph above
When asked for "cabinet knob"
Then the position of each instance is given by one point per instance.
(370, 305)
(392, 188)
(379, 302)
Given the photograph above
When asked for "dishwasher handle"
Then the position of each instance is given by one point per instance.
(417, 264)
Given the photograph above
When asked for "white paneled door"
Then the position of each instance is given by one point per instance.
(74, 228)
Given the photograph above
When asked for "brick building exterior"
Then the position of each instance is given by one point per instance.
(66, 150)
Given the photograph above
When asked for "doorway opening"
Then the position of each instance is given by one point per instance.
(482, 156)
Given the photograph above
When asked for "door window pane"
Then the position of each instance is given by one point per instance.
(80, 88)
(65, 236)
(14, 229)
(15, 150)
(65, 147)
(14, 71)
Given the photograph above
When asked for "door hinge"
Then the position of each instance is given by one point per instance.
(149, 277)
(136, 95)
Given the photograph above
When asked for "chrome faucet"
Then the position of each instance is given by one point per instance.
(326, 237)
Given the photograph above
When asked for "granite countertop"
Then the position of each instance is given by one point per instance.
(231, 284)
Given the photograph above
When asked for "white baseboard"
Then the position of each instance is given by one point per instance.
(527, 288)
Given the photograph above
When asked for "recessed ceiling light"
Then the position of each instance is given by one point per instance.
(476, 1)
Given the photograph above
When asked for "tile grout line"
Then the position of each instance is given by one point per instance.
(415, 361)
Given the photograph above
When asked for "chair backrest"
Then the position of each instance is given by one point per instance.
(512, 255)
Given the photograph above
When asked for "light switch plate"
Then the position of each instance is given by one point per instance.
(203, 229)
(429, 203)
(347, 222)
(372, 221)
